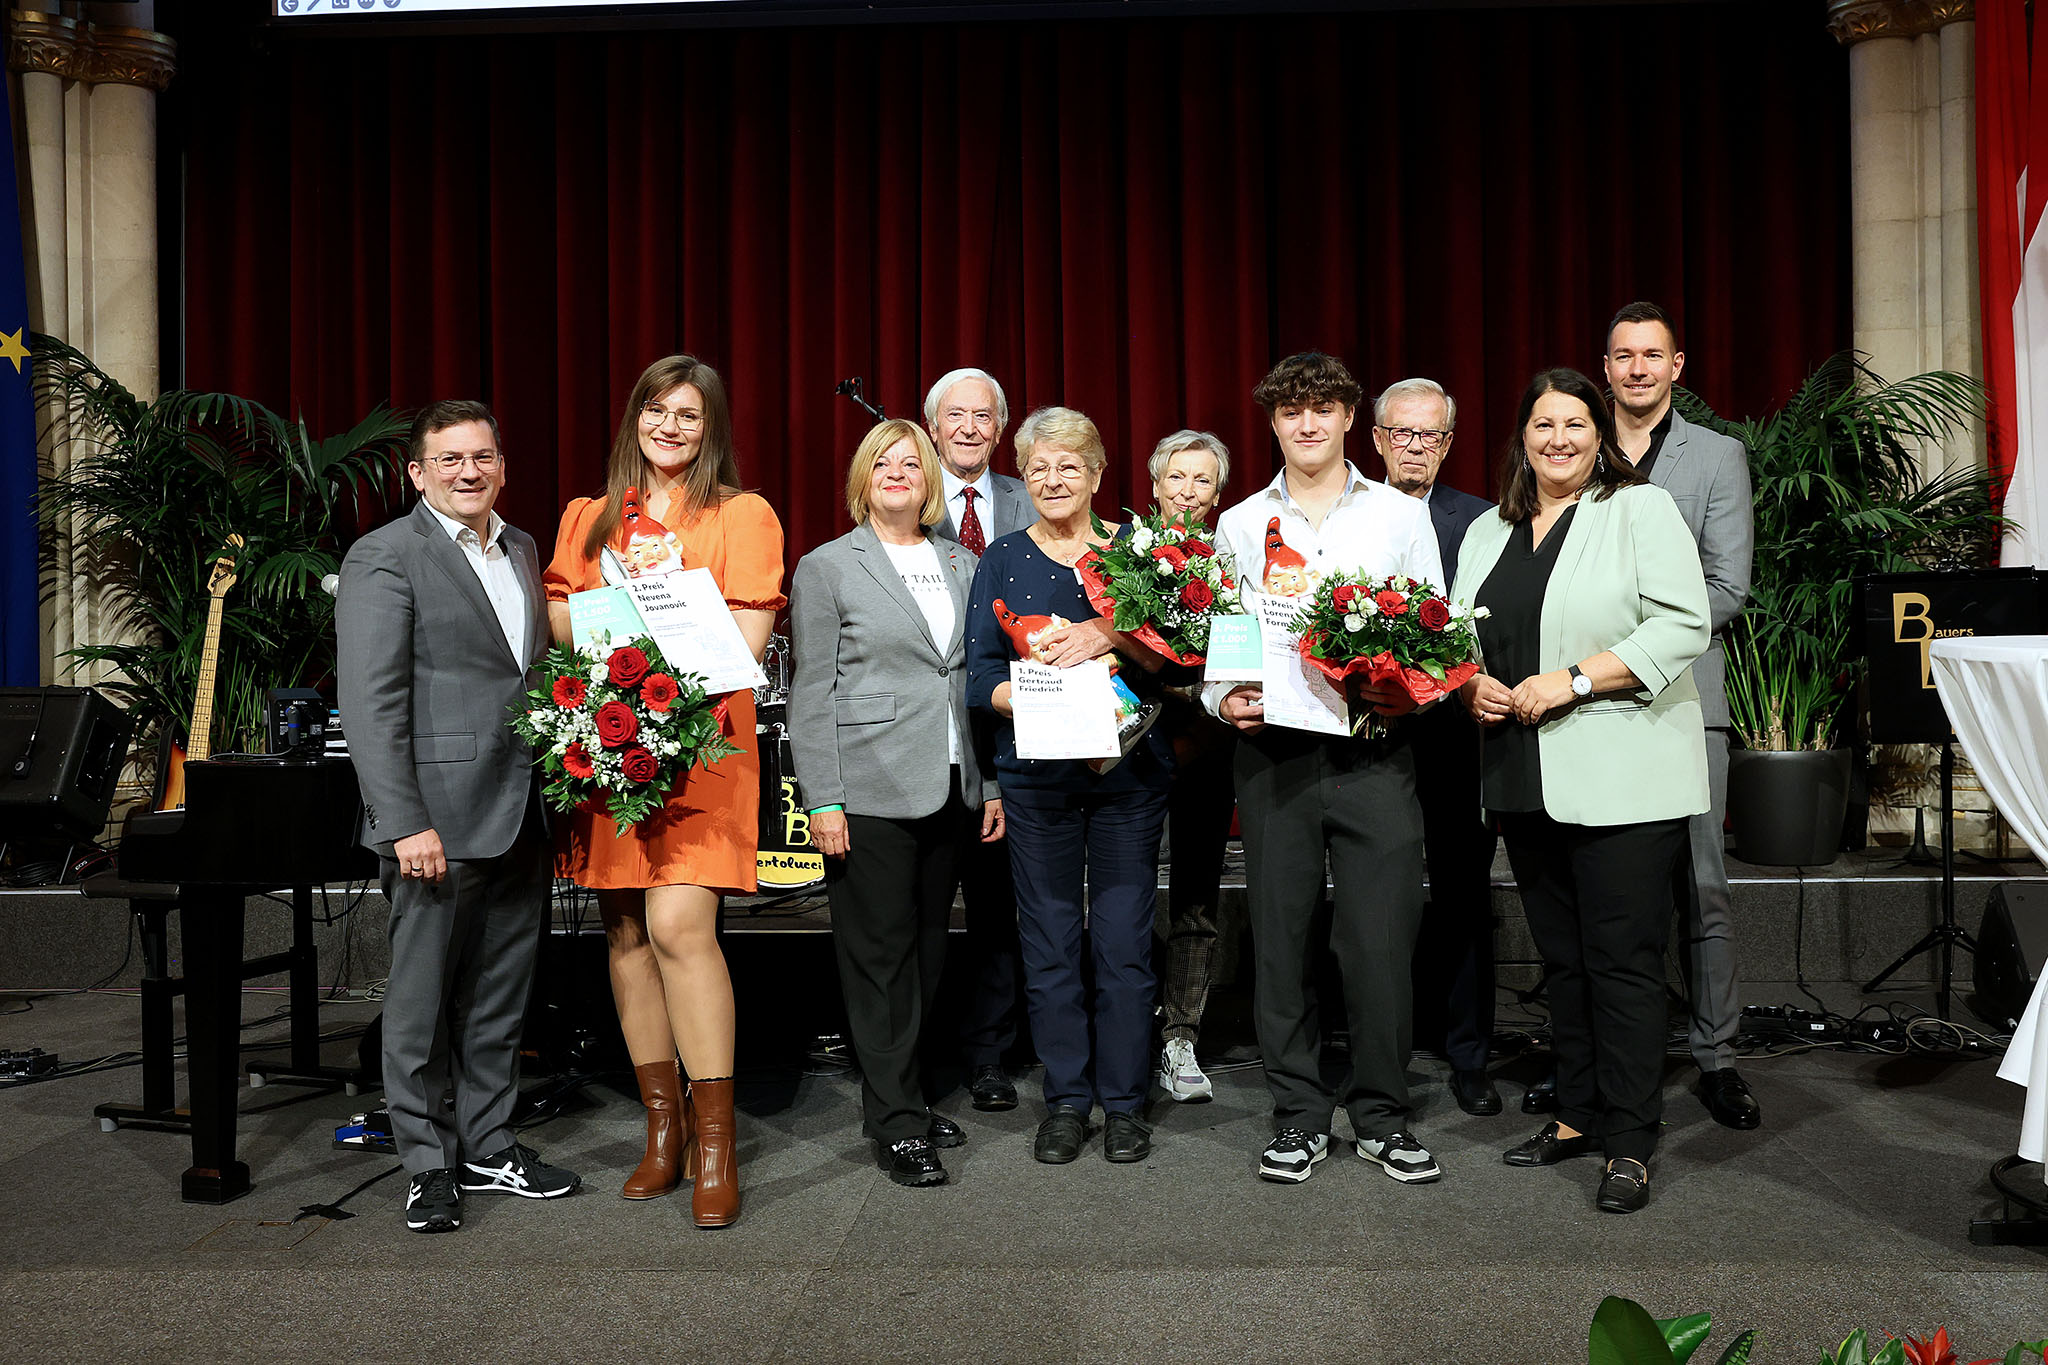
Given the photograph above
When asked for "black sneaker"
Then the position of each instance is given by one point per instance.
(1292, 1155)
(518, 1170)
(432, 1203)
(1402, 1157)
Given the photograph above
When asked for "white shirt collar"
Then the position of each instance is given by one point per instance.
(456, 529)
(1355, 481)
(984, 486)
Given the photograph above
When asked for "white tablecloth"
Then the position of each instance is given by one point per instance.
(1996, 692)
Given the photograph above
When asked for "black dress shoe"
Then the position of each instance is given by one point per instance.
(1475, 1092)
(1541, 1098)
(1547, 1148)
(910, 1161)
(990, 1090)
(1060, 1136)
(944, 1132)
(1125, 1138)
(1625, 1187)
(1727, 1098)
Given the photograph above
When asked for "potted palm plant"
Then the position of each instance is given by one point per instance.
(151, 495)
(1838, 494)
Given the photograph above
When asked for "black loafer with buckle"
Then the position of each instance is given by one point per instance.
(1625, 1187)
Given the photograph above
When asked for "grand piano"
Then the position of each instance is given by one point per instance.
(251, 824)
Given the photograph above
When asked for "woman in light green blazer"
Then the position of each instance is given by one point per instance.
(1594, 755)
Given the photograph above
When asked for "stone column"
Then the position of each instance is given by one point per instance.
(88, 98)
(1913, 201)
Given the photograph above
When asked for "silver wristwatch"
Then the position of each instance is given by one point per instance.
(1582, 686)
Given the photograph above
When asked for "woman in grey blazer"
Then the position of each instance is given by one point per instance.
(888, 769)
(1594, 756)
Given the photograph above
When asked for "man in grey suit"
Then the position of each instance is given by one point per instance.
(1707, 475)
(439, 621)
(966, 414)
(1414, 423)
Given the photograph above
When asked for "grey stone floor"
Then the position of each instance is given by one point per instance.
(1848, 1208)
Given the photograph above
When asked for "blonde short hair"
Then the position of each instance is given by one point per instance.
(1185, 441)
(1066, 429)
(862, 471)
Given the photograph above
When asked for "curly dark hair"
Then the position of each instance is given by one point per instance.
(1310, 377)
(1611, 468)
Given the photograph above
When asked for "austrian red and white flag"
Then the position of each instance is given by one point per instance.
(2012, 141)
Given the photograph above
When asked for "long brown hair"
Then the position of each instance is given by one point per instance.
(1611, 468)
(713, 476)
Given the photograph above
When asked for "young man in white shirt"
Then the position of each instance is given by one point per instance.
(1303, 797)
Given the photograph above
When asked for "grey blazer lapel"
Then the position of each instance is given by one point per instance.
(875, 559)
(960, 576)
(1021, 513)
(538, 633)
(447, 556)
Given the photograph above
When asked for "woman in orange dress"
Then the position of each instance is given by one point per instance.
(658, 886)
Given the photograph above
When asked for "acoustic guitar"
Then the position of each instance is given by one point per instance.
(199, 733)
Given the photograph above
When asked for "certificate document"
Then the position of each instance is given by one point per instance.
(1297, 696)
(1063, 712)
(1234, 653)
(687, 616)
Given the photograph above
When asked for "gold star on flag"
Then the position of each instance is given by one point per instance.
(12, 349)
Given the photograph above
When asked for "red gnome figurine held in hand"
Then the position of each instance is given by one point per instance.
(1287, 573)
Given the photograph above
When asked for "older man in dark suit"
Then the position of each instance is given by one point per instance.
(1707, 475)
(439, 622)
(1414, 424)
(966, 413)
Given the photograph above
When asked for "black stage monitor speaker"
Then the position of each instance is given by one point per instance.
(2012, 944)
(60, 755)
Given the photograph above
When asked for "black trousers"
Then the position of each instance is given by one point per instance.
(1299, 797)
(1199, 805)
(1599, 903)
(1454, 995)
(994, 966)
(892, 896)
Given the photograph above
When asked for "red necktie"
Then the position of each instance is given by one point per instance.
(970, 527)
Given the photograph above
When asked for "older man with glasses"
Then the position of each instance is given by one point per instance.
(1414, 423)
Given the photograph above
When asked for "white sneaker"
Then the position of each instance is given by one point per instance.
(1402, 1157)
(1180, 1076)
(1292, 1155)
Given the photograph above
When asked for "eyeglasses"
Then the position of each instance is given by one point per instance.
(1403, 437)
(655, 415)
(448, 464)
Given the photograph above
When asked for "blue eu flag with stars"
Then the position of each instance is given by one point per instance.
(20, 647)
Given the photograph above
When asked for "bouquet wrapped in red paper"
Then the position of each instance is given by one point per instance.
(617, 729)
(1162, 583)
(1395, 630)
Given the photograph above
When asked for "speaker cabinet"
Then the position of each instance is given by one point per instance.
(2011, 946)
(60, 755)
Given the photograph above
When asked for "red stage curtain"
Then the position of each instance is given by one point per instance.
(1130, 217)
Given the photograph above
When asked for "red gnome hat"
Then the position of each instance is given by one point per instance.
(1279, 554)
(1020, 629)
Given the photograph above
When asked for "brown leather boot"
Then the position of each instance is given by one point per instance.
(668, 1131)
(715, 1200)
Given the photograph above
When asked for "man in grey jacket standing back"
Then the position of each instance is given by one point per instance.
(1707, 475)
(966, 413)
(439, 622)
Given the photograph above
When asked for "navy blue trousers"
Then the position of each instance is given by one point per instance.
(1087, 875)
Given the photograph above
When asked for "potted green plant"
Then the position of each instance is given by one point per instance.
(151, 495)
(1838, 493)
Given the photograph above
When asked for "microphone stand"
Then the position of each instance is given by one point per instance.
(852, 389)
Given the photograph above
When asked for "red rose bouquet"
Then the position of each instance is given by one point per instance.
(1162, 583)
(616, 730)
(1389, 630)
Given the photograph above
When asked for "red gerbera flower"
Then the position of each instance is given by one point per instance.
(1391, 602)
(570, 691)
(576, 762)
(659, 691)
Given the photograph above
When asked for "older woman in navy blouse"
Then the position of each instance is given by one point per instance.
(1069, 826)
